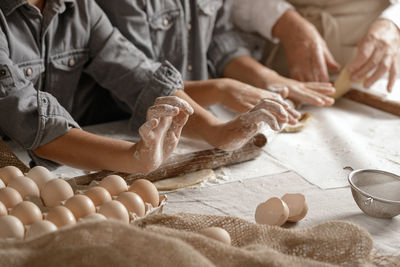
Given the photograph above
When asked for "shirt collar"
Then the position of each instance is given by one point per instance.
(9, 6)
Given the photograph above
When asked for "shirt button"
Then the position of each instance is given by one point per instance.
(190, 68)
(28, 72)
(71, 62)
(189, 27)
(165, 22)
(44, 100)
(3, 73)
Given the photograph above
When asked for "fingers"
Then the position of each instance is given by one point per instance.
(383, 67)
(375, 59)
(176, 102)
(331, 63)
(162, 110)
(261, 116)
(274, 108)
(392, 77)
(322, 88)
(145, 130)
(365, 50)
(282, 90)
(319, 69)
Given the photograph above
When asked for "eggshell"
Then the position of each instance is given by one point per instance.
(94, 216)
(133, 203)
(2, 184)
(56, 191)
(272, 212)
(114, 184)
(11, 227)
(98, 195)
(3, 209)
(61, 216)
(114, 210)
(80, 206)
(40, 228)
(25, 187)
(217, 233)
(40, 175)
(297, 205)
(27, 212)
(10, 197)
(9, 172)
(146, 190)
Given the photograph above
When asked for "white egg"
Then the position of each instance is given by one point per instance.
(114, 210)
(11, 227)
(80, 206)
(98, 195)
(114, 184)
(133, 203)
(55, 191)
(25, 187)
(2, 184)
(61, 216)
(9, 172)
(40, 175)
(27, 212)
(94, 216)
(3, 209)
(10, 197)
(40, 228)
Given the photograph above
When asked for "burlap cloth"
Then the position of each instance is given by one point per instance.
(171, 240)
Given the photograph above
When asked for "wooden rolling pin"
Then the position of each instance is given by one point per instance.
(187, 163)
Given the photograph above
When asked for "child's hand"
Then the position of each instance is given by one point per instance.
(161, 133)
(234, 134)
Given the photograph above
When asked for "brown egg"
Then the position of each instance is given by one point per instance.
(40, 228)
(297, 205)
(9, 172)
(25, 187)
(217, 233)
(94, 216)
(3, 209)
(272, 212)
(10, 197)
(133, 203)
(2, 184)
(114, 210)
(146, 190)
(61, 216)
(27, 212)
(11, 227)
(80, 206)
(98, 195)
(114, 184)
(56, 191)
(40, 175)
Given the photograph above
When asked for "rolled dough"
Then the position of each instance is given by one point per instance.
(342, 83)
(184, 180)
(304, 120)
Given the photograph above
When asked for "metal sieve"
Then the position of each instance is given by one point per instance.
(376, 192)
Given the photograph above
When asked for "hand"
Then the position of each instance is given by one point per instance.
(161, 132)
(234, 134)
(306, 52)
(378, 52)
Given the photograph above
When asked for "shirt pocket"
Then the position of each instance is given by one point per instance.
(207, 11)
(32, 71)
(65, 72)
(166, 33)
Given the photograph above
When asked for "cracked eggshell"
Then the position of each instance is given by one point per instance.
(217, 233)
(114, 210)
(40, 228)
(11, 227)
(61, 216)
(40, 175)
(10, 197)
(297, 205)
(25, 187)
(99, 195)
(80, 206)
(146, 190)
(114, 184)
(27, 212)
(272, 212)
(8, 173)
(55, 191)
(133, 203)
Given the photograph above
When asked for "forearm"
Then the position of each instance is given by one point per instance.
(205, 93)
(290, 21)
(248, 70)
(83, 150)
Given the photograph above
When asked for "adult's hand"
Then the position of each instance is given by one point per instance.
(378, 53)
(307, 54)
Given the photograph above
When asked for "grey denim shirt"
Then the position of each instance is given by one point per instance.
(196, 36)
(51, 67)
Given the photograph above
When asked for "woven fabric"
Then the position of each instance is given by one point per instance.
(7, 158)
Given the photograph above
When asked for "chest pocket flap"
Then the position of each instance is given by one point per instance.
(164, 20)
(70, 60)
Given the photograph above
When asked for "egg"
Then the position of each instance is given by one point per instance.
(272, 212)
(114, 210)
(297, 205)
(40, 175)
(133, 203)
(217, 233)
(3, 209)
(10, 197)
(2, 184)
(40, 228)
(94, 216)
(61, 216)
(146, 190)
(80, 206)
(11, 227)
(55, 191)
(114, 184)
(27, 212)
(98, 195)
(25, 187)
(9, 172)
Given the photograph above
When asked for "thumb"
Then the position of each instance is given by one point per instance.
(331, 63)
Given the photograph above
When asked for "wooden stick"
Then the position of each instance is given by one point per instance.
(375, 101)
(187, 163)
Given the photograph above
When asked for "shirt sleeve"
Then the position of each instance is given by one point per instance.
(131, 76)
(29, 117)
(392, 13)
(226, 43)
(259, 16)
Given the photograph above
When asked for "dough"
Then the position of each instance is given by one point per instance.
(184, 180)
(342, 83)
(304, 120)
